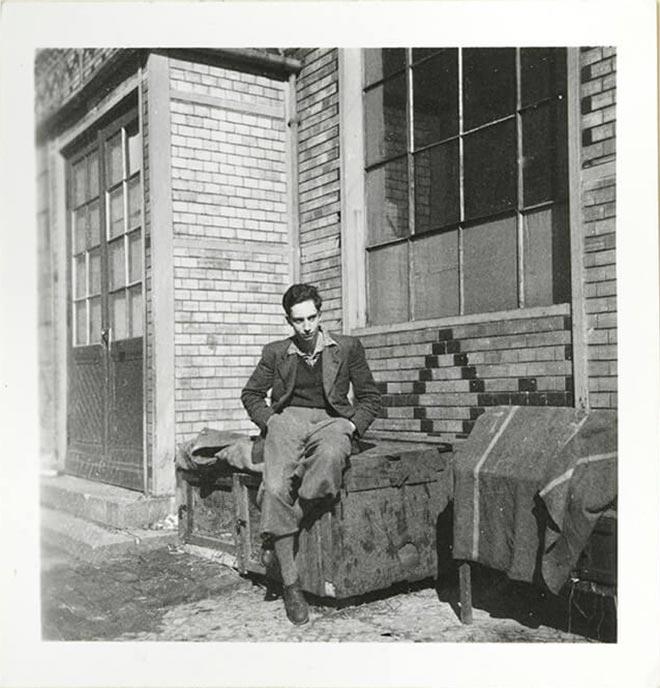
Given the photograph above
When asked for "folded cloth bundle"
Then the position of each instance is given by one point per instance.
(245, 454)
(240, 451)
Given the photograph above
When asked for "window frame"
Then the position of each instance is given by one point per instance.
(354, 234)
(123, 123)
(90, 147)
(96, 140)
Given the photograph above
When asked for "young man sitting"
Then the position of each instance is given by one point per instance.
(308, 426)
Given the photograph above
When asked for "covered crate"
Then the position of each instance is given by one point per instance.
(381, 531)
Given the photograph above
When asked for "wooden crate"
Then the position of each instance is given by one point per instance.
(381, 532)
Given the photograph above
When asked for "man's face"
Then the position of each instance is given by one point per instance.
(305, 319)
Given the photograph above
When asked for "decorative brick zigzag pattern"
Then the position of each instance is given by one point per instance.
(443, 398)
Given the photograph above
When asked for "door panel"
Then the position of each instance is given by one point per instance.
(87, 411)
(88, 407)
(106, 411)
(125, 413)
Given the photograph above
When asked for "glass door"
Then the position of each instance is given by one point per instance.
(105, 429)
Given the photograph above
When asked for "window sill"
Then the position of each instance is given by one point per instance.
(473, 318)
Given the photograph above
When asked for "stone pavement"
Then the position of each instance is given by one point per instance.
(172, 594)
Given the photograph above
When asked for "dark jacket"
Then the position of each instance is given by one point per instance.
(343, 363)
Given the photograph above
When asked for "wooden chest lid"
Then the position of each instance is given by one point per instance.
(394, 464)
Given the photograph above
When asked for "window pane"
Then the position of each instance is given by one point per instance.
(95, 320)
(543, 73)
(93, 175)
(134, 162)
(491, 176)
(435, 98)
(117, 266)
(545, 153)
(135, 256)
(387, 202)
(388, 284)
(95, 271)
(379, 62)
(421, 53)
(80, 316)
(135, 295)
(385, 118)
(489, 83)
(490, 267)
(118, 316)
(114, 160)
(546, 257)
(79, 182)
(436, 187)
(94, 224)
(134, 203)
(435, 275)
(116, 215)
(80, 277)
(80, 230)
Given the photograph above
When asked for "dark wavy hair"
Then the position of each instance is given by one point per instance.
(297, 293)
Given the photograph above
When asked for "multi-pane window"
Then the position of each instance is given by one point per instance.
(123, 191)
(86, 244)
(106, 226)
(466, 181)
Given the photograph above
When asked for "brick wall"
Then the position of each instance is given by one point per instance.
(318, 179)
(61, 73)
(598, 178)
(231, 243)
(231, 255)
(436, 381)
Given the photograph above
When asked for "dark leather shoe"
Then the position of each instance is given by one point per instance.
(295, 604)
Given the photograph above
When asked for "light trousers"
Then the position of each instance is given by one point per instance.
(305, 455)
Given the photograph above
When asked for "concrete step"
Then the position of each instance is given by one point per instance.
(103, 504)
(93, 542)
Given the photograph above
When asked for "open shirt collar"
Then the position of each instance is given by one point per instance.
(322, 341)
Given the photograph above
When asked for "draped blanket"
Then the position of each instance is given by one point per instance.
(529, 485)
(213, 448)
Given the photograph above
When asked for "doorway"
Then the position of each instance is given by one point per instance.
(106, 315)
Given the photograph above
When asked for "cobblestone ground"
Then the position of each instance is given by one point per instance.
(173, 595)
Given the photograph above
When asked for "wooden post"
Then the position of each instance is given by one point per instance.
(578, 316)
(351, 151)
(162, 275)
(239, 494)
(465, 591)
(184, 502)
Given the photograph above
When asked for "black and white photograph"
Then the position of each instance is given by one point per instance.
(331, 346)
